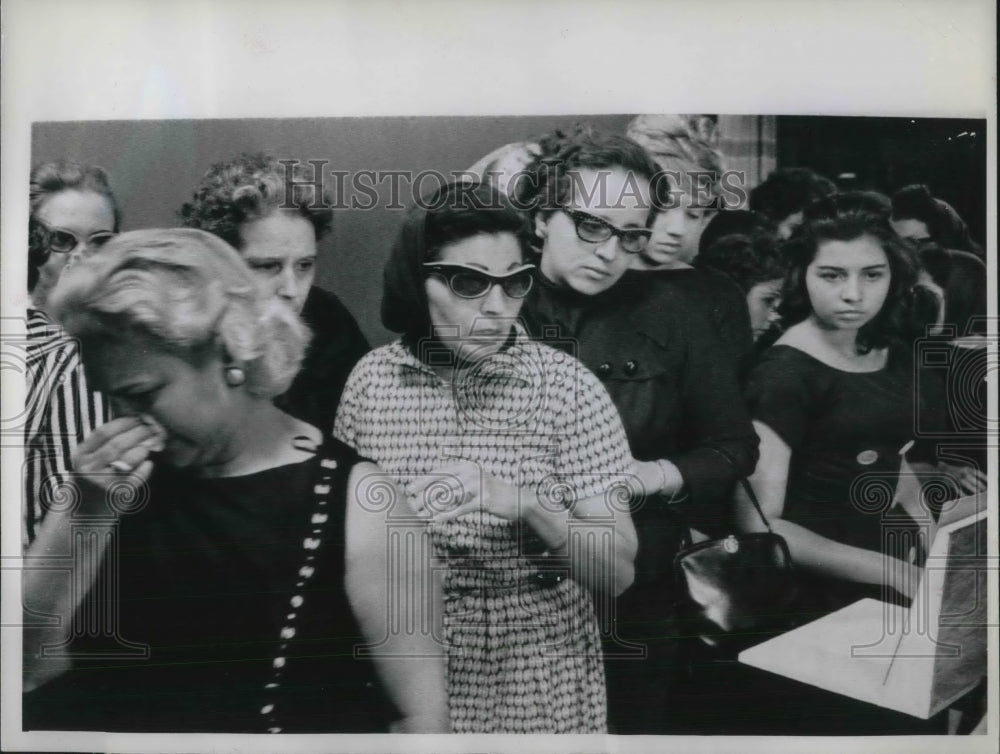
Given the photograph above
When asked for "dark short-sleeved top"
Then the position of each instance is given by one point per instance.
(236, 588)
(336, 346)
(845, 431)
(672, 381)
(965, 294)
(720, 301)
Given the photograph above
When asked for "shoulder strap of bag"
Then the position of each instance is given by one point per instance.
(746, 486)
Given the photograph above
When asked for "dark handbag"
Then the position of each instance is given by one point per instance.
(737, 590)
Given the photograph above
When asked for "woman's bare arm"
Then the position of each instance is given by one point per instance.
(397, 600)
(810, 550)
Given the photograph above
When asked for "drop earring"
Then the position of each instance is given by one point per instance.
(235, 376)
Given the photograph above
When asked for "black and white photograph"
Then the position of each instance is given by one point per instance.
(404, 392)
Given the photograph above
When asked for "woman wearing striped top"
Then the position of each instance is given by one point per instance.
(72, 212)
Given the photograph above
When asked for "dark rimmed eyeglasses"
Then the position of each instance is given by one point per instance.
(595, 230)
(468, 282)
(63, 241)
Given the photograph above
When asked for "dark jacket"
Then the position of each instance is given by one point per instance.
(674, 384)
(720, 300)
(336, 346)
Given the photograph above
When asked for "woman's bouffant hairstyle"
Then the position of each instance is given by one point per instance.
(733, 222)
(452, 213)
(38, 250)
(503, 164)
(871, 202)
(683, 145)
(900, 317)
(789, 190)
(47, 180)
(547, 184)
(252, 187)
(187, 291)
(944, 224)
(50, 178)
(747, 259)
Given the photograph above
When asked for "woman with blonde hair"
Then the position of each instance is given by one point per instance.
(222, 530)
(684, 149)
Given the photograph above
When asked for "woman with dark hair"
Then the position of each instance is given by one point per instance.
(274, 216)
(592, 198)
(834, 403)
(72, 212)
(758, 266)
(951, 258)
(733, 222)
(785, 194)
(919, 216)
(513, 456)
(222, 547)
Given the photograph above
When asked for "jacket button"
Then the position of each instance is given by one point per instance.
(604, 370)
(631, 367)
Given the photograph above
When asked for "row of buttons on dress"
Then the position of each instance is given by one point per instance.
(306, 571)
(606, 370)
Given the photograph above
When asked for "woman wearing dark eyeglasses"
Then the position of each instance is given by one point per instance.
(72, 212)
(511, 452)
(592, 197)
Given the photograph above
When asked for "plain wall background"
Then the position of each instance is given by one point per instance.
(154, 167)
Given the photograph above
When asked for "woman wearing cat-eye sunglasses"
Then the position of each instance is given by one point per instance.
(509, 451)
(72, 211)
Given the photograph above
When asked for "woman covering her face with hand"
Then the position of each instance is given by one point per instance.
(512, 455)
(592, 197)
(223, 531)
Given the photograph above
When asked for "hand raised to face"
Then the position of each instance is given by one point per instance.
(119, 450)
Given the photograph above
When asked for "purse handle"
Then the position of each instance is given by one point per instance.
(746, 486)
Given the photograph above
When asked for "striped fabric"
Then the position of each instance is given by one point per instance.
(60, 411)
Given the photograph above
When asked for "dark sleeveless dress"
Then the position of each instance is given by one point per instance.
(234, 589)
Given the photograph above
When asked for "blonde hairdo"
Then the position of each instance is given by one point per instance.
(682, 143)
(185, 289)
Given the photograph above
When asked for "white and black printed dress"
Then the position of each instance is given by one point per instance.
(523, 645)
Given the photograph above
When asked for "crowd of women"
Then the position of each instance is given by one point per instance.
(275, 528)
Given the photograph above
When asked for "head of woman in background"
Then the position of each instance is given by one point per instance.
(757, 264)
(734, 222)
(272, 213)
(851, 275)
(871, 202)
(458, 272)
(919, 216)
(504, 166)
(175, 330)
(591, 196)
(683, 147)
(73, 207)
(786, 193)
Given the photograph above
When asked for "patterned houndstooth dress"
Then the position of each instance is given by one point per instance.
(523, 646)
